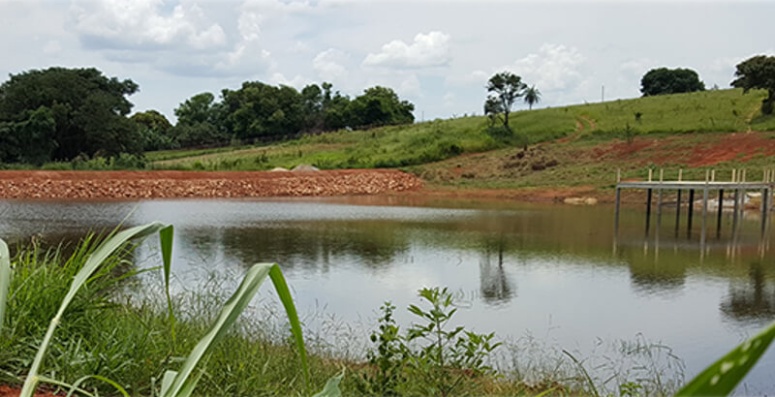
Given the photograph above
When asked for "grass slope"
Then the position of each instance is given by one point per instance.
(466, 152)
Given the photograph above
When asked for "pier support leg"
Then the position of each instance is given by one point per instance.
(690, 214)
(736, 211)
(616, 211)
(677, 212)
(765, 209)
(720, 210)
(648, 211)
(703, 234)
(659, 210)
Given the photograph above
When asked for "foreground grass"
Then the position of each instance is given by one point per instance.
(116, 343)
(108, 332)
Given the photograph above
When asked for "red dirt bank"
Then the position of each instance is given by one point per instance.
(6, 391)
(87, 185)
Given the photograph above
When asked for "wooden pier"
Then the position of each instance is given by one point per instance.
(738, 186)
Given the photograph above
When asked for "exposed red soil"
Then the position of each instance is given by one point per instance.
(87, 185)
(6, 391)
(716, 148)
(740, 146)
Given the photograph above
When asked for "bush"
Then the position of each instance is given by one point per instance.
(429, 358)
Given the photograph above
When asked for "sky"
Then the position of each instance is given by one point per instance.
(438, 54)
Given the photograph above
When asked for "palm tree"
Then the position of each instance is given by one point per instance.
(532, 96)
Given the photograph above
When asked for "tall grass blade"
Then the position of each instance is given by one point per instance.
(5, 280)
(722, 377)
(284, 293)
(165, 240)
(183, 383)
(107, 248)
(588, 378)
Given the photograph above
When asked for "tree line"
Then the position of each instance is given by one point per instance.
(61, 114)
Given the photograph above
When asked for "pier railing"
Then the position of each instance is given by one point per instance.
(737, 185)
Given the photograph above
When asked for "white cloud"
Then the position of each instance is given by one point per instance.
(249, 25)
(120, 24)
(554, 67)
(179, 38)
(427, 50)
(329, 65)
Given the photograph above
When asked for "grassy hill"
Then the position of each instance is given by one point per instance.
(466, 152)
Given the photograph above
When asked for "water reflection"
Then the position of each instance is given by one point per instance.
(316, 245)
(751, 299)
(495, 284)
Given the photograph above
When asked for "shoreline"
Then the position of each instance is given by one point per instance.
(128, 185)
(121, 185)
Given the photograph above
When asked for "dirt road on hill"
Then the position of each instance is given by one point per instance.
(90, 185)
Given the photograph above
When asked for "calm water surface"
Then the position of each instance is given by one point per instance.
(550, 271)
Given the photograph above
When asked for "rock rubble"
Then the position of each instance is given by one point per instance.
(85, 185)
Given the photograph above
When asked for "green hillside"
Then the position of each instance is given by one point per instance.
(433, 141)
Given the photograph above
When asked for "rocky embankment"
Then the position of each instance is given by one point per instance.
(85, 185)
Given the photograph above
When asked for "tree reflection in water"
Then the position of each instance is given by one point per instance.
(753, 300)
(494, 283)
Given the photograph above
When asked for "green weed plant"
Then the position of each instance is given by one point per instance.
(430, 358)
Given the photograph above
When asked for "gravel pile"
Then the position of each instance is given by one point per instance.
(174, 184)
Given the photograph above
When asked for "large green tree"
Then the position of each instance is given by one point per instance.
(505, 88)
(758, 72)
(60, 113)
(662, 81)
(154, 129)
(335, 113)
(312, 104)
(201, 122)
(259, 111)
(379, 106)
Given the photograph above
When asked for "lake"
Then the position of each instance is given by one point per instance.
(548, 273)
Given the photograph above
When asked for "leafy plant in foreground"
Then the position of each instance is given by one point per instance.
(448, 356)
(720, 378)
(429, 359)
(389, 358)
(5, 280)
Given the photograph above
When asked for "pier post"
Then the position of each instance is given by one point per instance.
(677, 212)
(659, 201)
(690, 214)
(704, 216)
(736, 210)
(765, 208)
(616, 211)
(720, 210)
(648, 211)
